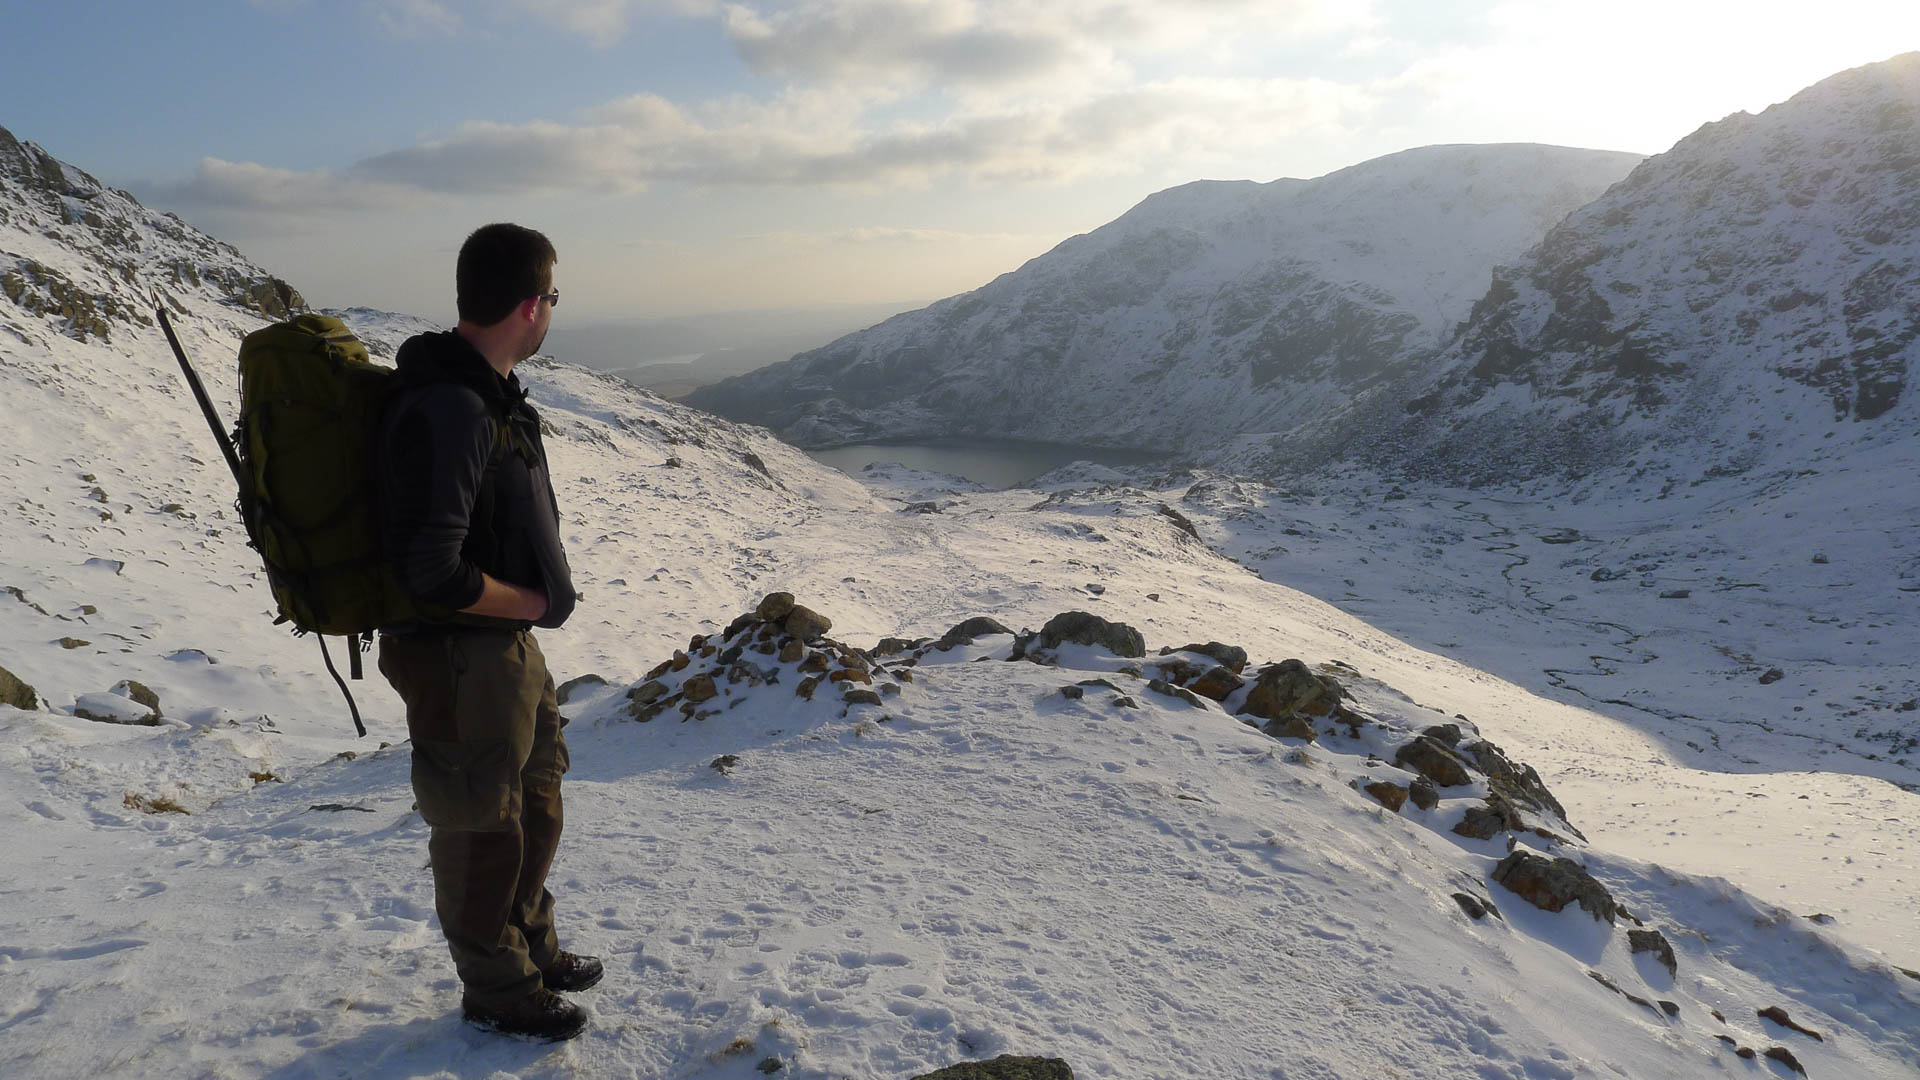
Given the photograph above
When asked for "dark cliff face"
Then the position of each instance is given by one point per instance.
(125, 251)
(1760, 254)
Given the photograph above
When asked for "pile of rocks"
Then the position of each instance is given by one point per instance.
(778, 643)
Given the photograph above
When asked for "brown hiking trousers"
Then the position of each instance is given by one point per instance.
(487, 760)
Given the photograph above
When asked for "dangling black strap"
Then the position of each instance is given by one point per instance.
(355, 646)
(331, 670)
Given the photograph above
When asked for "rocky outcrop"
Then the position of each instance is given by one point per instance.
(1552, 884)
(1004, 1067)
(16, 692)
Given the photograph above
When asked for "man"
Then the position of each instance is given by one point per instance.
(472, 530)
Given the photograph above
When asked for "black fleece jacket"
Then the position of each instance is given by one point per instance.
(457, 501)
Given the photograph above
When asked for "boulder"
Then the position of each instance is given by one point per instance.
(793, 651)
(806, 623)
(16, 692)
(1391, 795)
(1552, 884)
(1488, 821)
(775, 607)
(977, 627)
(1290, 727)
(1217, 683)
(1082, 628)
(573, 686)
(700, 688)
(860, 697)
(114, 709)
(1519, 784)
(127, 688)
(1433, 760)
(1161, 686)
(1423, 793)
(1231, 656)
(1004, 1067)
(1288, 688)
(1655, 942)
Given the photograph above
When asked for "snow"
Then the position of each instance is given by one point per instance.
(981, 864)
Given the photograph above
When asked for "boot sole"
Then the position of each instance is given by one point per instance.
(561, 1035)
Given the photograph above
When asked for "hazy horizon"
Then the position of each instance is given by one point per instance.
(690, 157)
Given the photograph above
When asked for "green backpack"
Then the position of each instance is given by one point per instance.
(303, 454)
(310, 406)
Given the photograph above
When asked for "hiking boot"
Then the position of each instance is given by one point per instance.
(570, 972)
(542, 1014)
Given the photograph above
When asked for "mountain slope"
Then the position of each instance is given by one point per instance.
(1742, 297)
(979, 864)
(1207, 310)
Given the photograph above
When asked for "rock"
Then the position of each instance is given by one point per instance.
(1231, 656)
(16, 692)
(1655, 942)
(574, 685)
(1179, 520)
(1487, 821)
(774, 607)
(1604, 574)
(1820, 559)
(817, 661)
(700, 688)
(1519, 784)
(73, 643)
(807, 686)
(1082, 628)
(1004, 1067)
(1773, 675)
(1433, 760)
(807, 624)
(1552, 884)
(1391, 795)
(738, 625)
(894, 646)
(1475, 907)
(1779, 1016)
(1785, 1057)
(1125, 702)
(1290, 727)
(127, 688)
(860, 697)
(850, 675)
(1676, 594)
(1671, 1008)
(679, 661)
(1217, 683)
(648, 692)
(1286, 689)
(1161, 686)
(114, 709)
(1073, 693)
(793, 651)
(977, 627)
(724, 764)
(1423, 793)
(732, 653)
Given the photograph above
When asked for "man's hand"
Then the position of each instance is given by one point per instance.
(505, 600)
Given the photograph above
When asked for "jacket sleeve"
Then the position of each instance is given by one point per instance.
(435, 444)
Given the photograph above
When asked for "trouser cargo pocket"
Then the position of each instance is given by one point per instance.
(467, 785)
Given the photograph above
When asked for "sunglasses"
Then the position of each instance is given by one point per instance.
(552, 298)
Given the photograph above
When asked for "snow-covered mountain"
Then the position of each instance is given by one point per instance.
(833, 856)
(1208, 310)
(1749, 297)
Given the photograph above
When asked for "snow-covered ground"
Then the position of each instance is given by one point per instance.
(1150, 891)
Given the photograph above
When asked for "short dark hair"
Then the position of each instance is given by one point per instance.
(501, 265)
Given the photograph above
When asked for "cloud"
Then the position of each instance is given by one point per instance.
(1012, 45)
(244, 187)
(605, 22)
(816, 140)
(416, 18)
(873, 235)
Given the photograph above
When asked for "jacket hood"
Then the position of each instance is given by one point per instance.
(445, 356)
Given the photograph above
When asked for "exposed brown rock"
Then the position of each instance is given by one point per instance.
(700, 688)
(775, 607)
(1655, 942)
(1391, 795)
(1552, 884)
(1217, 683)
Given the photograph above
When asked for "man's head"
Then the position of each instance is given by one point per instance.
(504, 285)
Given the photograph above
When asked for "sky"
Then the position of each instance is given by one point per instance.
(695, 156)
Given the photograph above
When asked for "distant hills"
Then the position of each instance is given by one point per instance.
(1463, 313)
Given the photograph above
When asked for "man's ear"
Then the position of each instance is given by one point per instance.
(530, 309)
